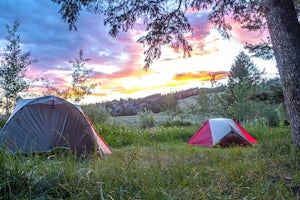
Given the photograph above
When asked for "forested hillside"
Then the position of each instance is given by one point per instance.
(156, 103)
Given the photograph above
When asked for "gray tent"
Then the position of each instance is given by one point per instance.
(40, 124)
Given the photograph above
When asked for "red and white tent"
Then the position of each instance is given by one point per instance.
(221, 131)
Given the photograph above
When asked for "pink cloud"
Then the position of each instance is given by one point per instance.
(201, 75)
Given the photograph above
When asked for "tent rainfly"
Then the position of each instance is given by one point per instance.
(221, 131)
(40, 124)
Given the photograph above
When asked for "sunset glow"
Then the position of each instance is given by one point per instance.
(118, 63)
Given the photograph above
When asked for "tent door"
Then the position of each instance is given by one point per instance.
(232, 139)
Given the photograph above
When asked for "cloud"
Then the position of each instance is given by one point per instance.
(122, 73)
(44, 33)
(157, 87)
(201, 76)
(47, 37)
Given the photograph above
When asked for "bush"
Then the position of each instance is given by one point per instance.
(97, 114)
(147, 119)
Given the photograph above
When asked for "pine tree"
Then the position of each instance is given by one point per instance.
(243, 79)
(244, 73)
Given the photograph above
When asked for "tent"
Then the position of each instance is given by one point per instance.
(221, 131)
(40, 124)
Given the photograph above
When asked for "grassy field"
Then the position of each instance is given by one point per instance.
(134, 121)
(157, 164)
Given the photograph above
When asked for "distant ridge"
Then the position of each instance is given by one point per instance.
(154, 103)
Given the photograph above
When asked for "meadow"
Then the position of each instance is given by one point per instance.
(156, 163)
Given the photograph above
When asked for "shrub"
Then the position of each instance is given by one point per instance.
(147, 119)
(97, 114)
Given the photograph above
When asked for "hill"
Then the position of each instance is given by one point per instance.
(155, 103)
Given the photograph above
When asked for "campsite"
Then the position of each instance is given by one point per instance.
(157, 163)
(150, 100)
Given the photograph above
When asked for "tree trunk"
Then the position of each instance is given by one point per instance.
(284, 31)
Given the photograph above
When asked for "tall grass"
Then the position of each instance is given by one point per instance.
(118, 136)
(157, 164)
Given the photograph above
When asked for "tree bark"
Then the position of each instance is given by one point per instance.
(284, 31)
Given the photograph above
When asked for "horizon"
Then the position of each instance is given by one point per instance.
(118, 62)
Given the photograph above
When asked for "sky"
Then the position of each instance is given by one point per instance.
(117, 63)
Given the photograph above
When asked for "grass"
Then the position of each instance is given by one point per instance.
(157, 164)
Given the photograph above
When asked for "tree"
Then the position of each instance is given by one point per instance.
(80, 75)
(14, 64)
(284, 30)
(243, 73)
(243, 79)
(270, 95)
(80, 86)
(170, 106)
(167, 23)
(207, 104)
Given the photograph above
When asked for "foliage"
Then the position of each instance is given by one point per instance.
(170, 106)
(14, 64)
(164, 18)
(146, 119)
(269, 96)
(166, 21)
(2, 122)
(1, 104)
(96, 113)
(270, 91)
(177, 123)
(156, 103)
(253, 110)
(207, 105)
(244, 73)
(80, 76)
(261, 50)
(244, 79)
